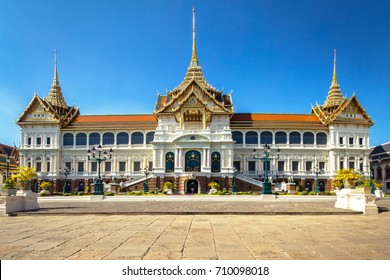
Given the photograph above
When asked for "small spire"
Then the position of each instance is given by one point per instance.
(335, 97)
(334, 78)
(55, 66)
(55, 96)
(194, 57)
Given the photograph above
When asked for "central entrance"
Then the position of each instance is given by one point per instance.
(192, 186)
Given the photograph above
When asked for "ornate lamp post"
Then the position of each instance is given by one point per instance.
(266, 159)
(99, 156)
(8, 160)
(317, 171)
(146, 172)
(66, 172)
(235, 173)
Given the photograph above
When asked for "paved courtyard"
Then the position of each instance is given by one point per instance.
(108, 235)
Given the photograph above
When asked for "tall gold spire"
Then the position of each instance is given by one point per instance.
(55, 97)
(335, 97)
(194, 57)
(334, 79)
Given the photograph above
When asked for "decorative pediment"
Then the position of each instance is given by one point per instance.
(349, 111)
(39, 110)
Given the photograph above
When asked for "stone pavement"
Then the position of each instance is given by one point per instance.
(211, 205)
(68, 235)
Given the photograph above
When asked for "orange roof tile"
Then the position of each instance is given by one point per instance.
(275, 117)
(115, 118)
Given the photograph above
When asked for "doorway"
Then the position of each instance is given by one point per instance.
(192, 187)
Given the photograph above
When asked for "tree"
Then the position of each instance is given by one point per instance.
(24, 175)
(347, 178)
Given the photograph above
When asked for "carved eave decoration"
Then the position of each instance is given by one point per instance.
(179, 96)
(348, 107)
(59, 116)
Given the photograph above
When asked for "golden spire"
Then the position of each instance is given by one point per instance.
(335, 97)
(194, 57)
(334, 79)
(55, 97)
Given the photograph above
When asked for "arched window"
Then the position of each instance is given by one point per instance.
(137, 138)
(81, 139)
(237, 136)
(68, 139)
(94, 139)
(251, 137)
(149, 137)
(308, 138)
(281, 137)
(108, 138)
(321, 138)
(295, 138)
(192, 161)
(266, 137)
(215, 162)
(122, 138)
(169, 162)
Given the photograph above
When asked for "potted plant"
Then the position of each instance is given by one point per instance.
(168, 185)
(45, 187)
(24, 175)
(9, 188)
(214, 185)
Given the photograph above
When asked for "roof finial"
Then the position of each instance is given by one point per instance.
(194, 57)
(334, 79)
(55, 66)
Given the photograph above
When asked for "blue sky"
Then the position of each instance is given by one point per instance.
(114, 56)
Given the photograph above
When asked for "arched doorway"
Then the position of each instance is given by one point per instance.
(192, 161)
(308, 186)
(81, 187)
(192, 186)
(321, 186)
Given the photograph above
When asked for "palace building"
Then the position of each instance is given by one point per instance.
(193, 137)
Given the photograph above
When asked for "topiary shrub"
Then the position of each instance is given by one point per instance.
(42, 194)
(109, 194)
(80, 193)
(312, 193)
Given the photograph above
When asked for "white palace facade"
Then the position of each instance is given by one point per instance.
(194, 136)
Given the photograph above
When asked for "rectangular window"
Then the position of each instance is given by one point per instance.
(80, 167)
(39, 166)
(29, 164)
(295, 166)
(361, 141)
(351, 165)
(350, 140)
(321, 165)
(388, 185)
(29, 141)
(122, 166)
(341, 140)
(137, 166)
(280, 165)
(48, 166)
(68, 165)
(361, 166)
(39, 141)
(341, 164)
(150, 165)
(107, 166)
(237, 165)
(94, 166)
(48, 141)
(252, 166)
(309, 166)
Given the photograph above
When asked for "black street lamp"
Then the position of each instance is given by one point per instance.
(99, 158)
(235, 173)
(266, 159)
(146, 172)
(66, 172)
(317, 171)
(8, 160)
